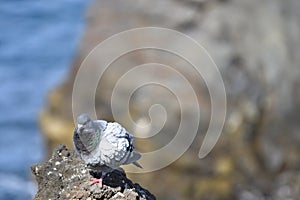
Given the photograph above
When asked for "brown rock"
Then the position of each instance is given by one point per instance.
(256, 47)
(65, 176)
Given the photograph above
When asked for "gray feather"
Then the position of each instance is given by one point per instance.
(100, 143)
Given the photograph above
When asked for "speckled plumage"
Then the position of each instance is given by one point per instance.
(100, 143)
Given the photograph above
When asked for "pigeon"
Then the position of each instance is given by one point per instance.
(103, 146)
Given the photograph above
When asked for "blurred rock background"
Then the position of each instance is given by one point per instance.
(255, 45)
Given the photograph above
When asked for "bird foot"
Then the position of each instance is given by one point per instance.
(97, 180)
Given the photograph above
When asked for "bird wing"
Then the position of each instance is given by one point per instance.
(116, 146)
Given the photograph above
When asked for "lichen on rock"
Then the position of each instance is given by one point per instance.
(65, 176)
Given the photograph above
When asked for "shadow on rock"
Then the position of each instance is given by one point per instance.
(65, 176)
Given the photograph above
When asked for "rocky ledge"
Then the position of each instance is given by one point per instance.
(65, 176)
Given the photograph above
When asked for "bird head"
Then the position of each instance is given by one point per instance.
(83, 121)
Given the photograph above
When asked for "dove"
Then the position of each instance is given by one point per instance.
(103, 145)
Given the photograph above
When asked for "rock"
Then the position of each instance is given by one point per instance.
(256, 46)
(65, 176)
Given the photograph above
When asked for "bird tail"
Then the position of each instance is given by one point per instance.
(137, 164)
(133, 159)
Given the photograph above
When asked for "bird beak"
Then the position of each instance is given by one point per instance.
(79, 126)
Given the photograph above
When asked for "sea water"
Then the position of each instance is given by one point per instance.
(38, 40)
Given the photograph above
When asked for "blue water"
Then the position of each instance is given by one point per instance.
(38, 40)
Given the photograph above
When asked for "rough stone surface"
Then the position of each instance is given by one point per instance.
(65, 176)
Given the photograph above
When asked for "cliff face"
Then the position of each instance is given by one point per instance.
(65, 176)
(255, 45)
